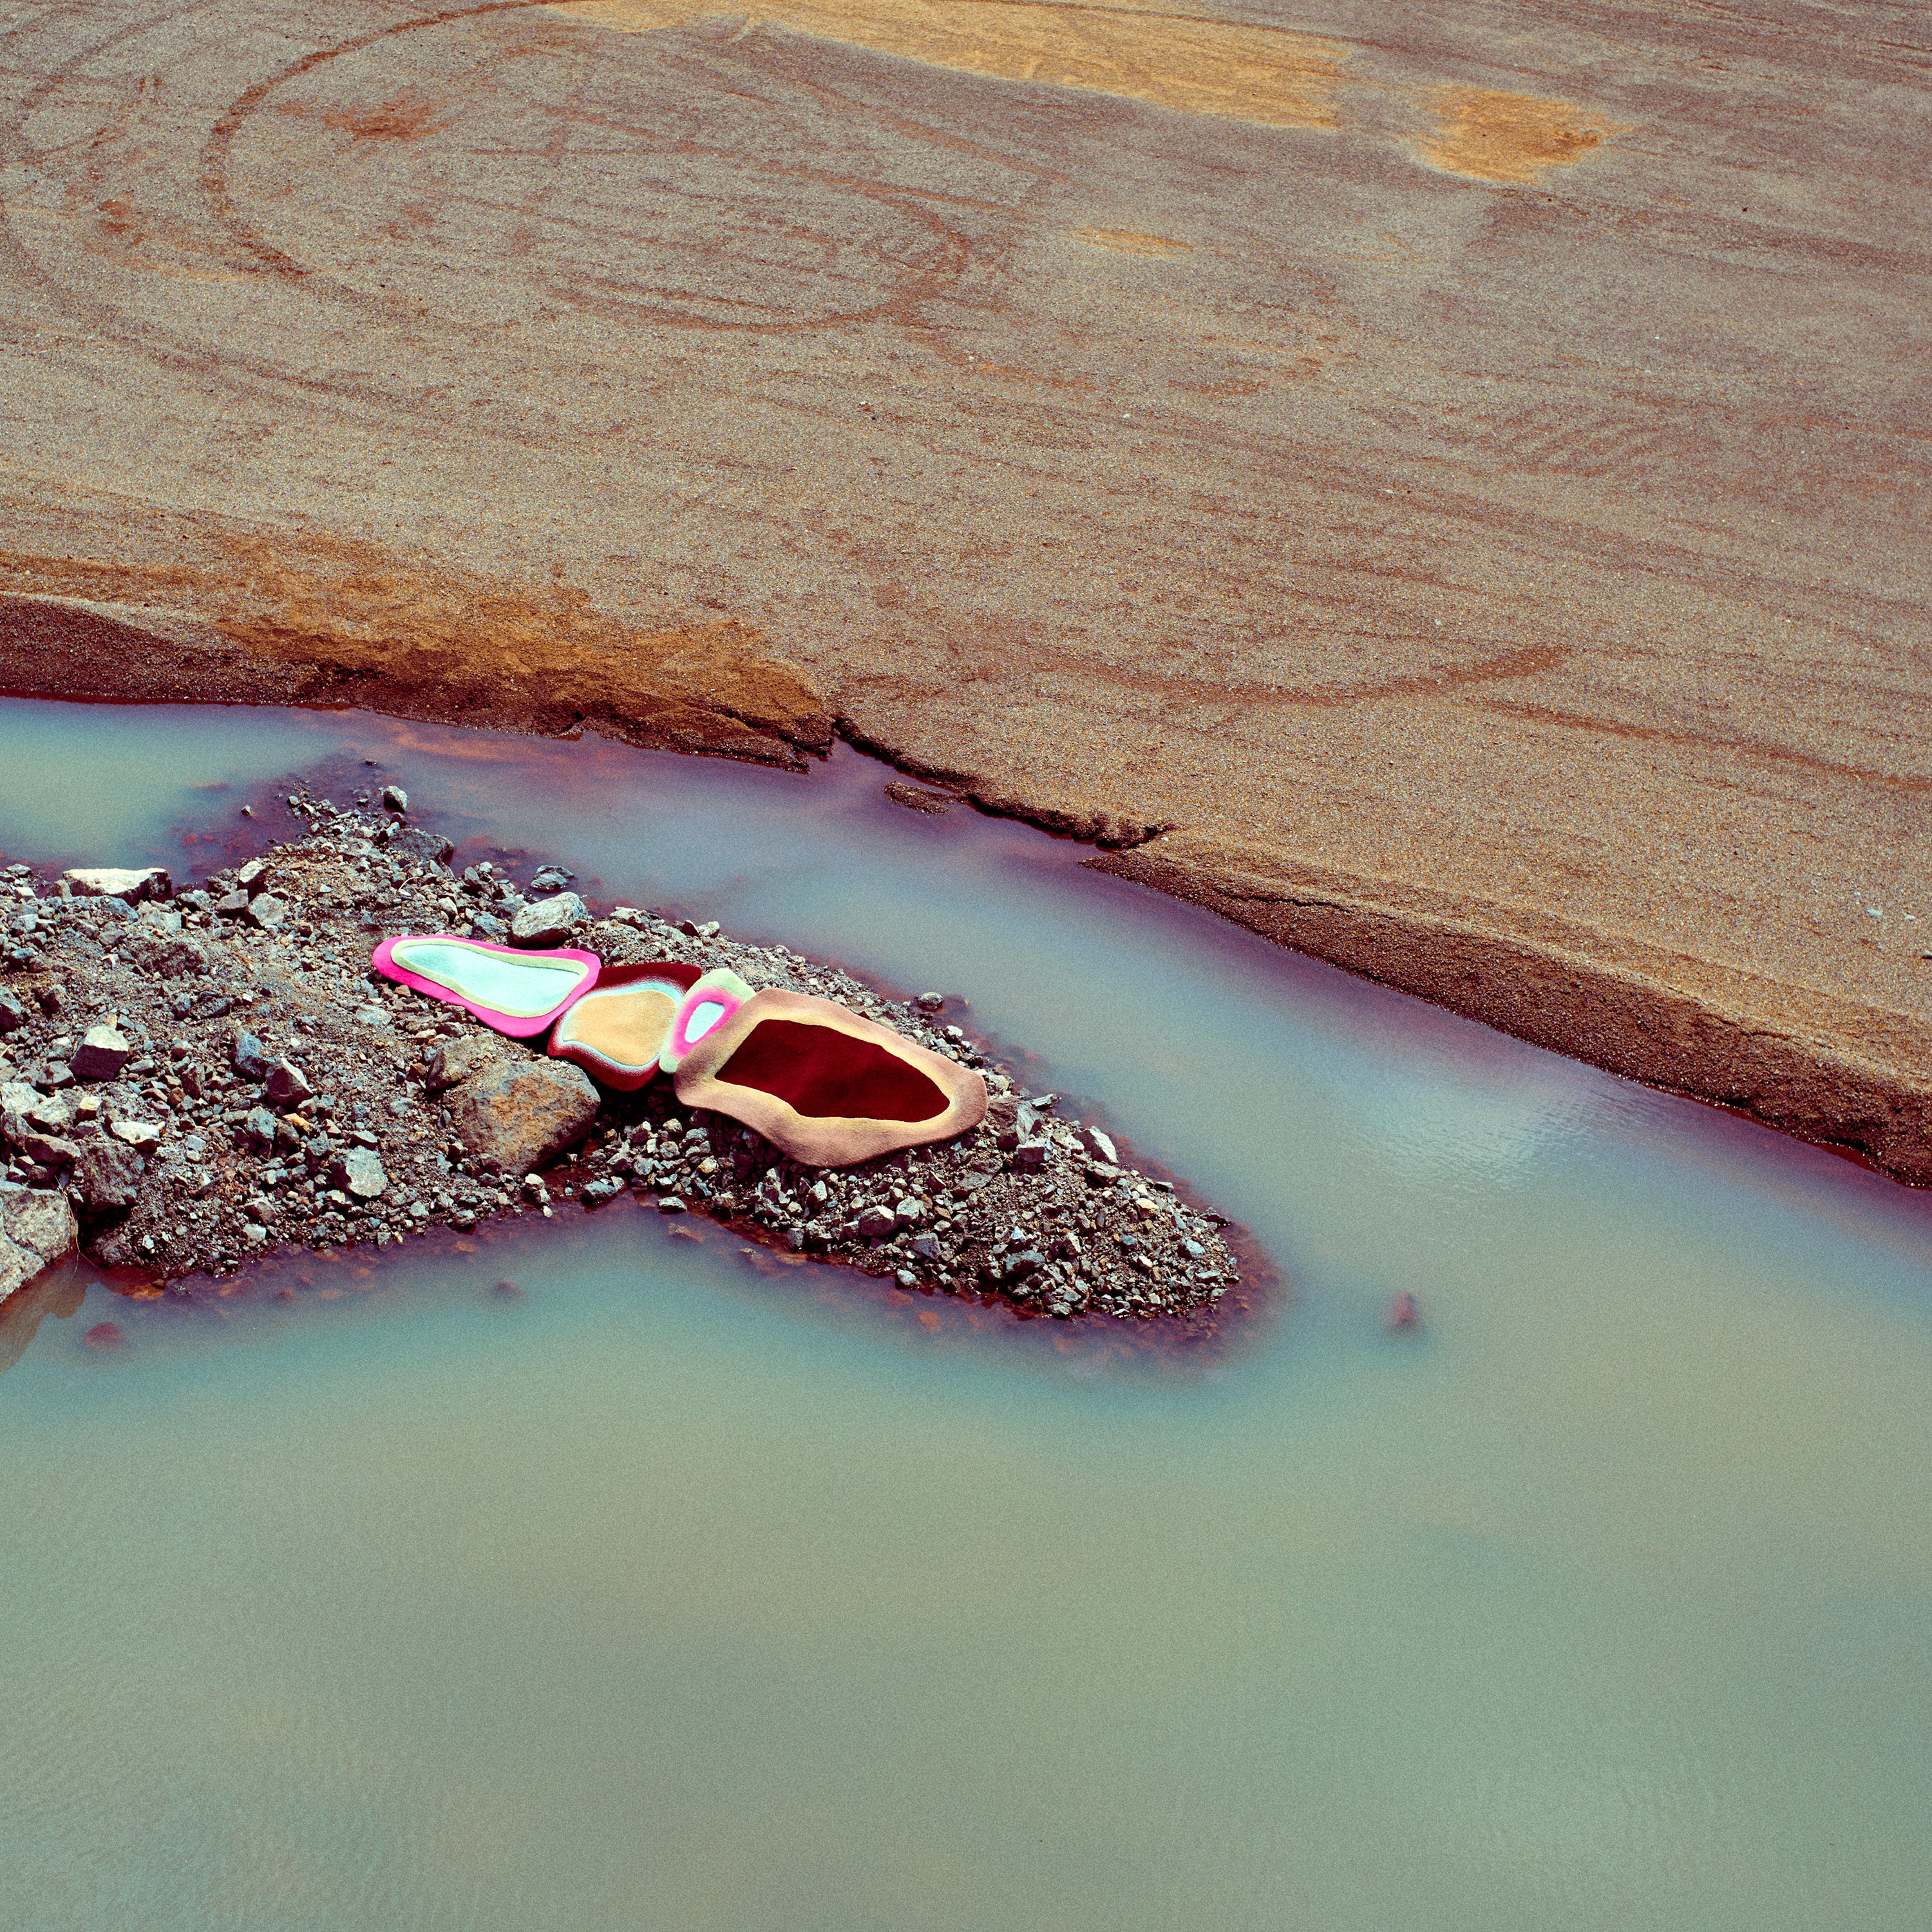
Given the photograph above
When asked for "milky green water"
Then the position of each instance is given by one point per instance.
(663, 1594)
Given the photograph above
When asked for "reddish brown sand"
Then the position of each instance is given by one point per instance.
(1463, 470)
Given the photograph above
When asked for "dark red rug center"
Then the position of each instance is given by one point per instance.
(824, 1073)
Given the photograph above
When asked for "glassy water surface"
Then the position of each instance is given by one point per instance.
(663, 1593)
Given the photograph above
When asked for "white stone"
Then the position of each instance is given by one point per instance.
(91, 882)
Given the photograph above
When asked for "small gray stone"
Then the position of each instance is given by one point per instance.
(233, 905)
(906, 1278)
(268, 912)
(876, 1223)
(1030, 1156)
(926, 1246)
(250, 1057)
(287, 1086)
(907, 1212)
(102, 1054)
(258, 1125)
(359, 1171)
(12, 1013)
(548, 921)
(254, 876)
(48, 1150)
(143, 1136)
(1098, 1144)
(395, 799)
(551, 878)
(669, 1203)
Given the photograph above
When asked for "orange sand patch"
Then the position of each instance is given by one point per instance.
(1508, 137)
(1196, 66)
(335, 620)
(1127, 242)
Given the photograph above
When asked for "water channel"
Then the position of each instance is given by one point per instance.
(663, 1592)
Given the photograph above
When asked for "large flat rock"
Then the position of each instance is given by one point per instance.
(1465, 471)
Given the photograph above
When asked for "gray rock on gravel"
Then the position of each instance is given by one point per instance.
(286, 1086)
(102, 1053)
(268, 912)
(149, 882)
(170, 956)
(876, 1223)
(548, 921)
(414, 843)
(250, 1056)
(455, 1060)
(512, 1116)
(12, 1013)
(107, 1176)
(1099, 1144)
(36, 1229)
(395, 799)
(359, 1171)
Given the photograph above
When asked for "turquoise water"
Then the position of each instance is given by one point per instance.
(665, 1592)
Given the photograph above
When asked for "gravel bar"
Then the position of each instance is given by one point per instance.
(212, 1075)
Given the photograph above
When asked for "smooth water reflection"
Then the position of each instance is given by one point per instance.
(662, 1595)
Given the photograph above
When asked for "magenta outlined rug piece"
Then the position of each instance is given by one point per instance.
(518, 993)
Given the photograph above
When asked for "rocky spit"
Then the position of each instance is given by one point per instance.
(189, 1081)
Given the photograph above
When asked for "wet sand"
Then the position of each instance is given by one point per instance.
(1448, 491)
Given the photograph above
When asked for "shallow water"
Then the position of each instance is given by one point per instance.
(667, 1593)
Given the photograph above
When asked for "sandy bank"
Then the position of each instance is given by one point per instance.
(1467, 481)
